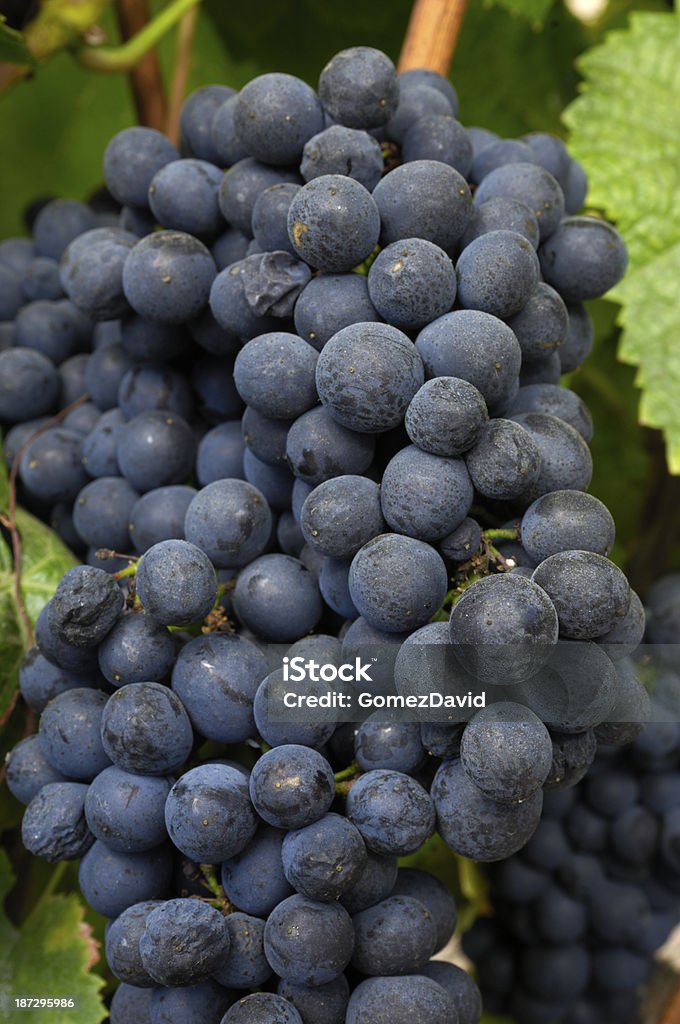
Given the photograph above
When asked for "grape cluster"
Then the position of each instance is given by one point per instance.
(323, 411)
(580, 912)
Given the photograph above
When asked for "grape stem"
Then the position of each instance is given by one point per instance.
(432, 34)
(219, 899)
(115, 59)
(146, 80)
(345, 779)
(180, 73)
(511, 533)
(47, 893)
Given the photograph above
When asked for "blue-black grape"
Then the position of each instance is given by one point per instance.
(397, 583)
(57, 329)
(130, 1002)
(183, 196)
(50, 467)
(333, 223)
(54, 825)
(253, 879)
(231, 521)
(330, 302)
(415, 102)
(126, 811)
(318, 1004)
(502, 213)
(396, 936)
(58, 223)
(530, 184)
(105, 369)
(292, 786)
(159, 515)
(136, 649)
(435, 136)
(112, 881)
(122, 944)
(246, 965)
(341, 515)
(101, 513)
(584, 258)
(476, 347)
(564, 521)
(154, 387)
(476, 826)
(359, 87)
(506, 751)
(400, 1000)
(318, 448)
(262, 1008)
(183, 942)
(263, 588)
(588, 591)
(70, 733)
(241, 186)
(459, 986)
(40, 680)
(411, 283)
(196, 120)
(167, 276)
(382, 743)
(92, 272)
(392, 811)
(274, 115)
(176, 583)
(323, 860)
(274, 374)
(497, 273)
(341, 150)
(145, 729)
(499, 153)
(445, 416)
(308, 943)
(566, 462)
(206, 1001)
(155, 449)
(29, 384)
(554, 401)
(209, 815)
(27, 770)
(131, 159)
(366, 375)
(424, 495)
(423, 199)
(216, 677)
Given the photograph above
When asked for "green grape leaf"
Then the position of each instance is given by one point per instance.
(511, 100)
(13, 49)
(45, 560)
(625, 128)
(12, 643)
(534, 10)
(49, 956)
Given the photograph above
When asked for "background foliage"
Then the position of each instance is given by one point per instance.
(517, 68)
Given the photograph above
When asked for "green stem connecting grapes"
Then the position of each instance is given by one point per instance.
(123, 58)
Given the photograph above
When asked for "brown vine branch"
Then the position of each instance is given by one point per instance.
(145, 78)
(180, 73)
(671, 1011)
(432, 34)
